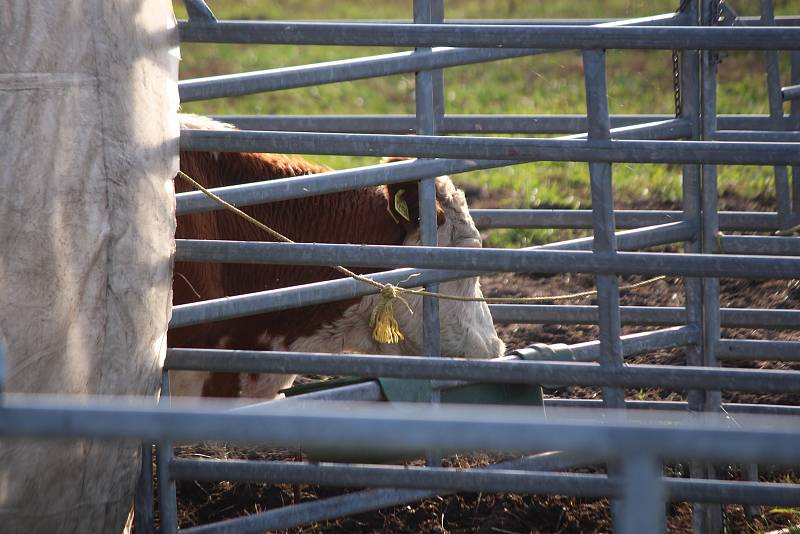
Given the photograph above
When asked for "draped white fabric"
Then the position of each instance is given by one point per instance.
(89, 137)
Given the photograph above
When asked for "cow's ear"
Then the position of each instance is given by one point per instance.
(402, 203)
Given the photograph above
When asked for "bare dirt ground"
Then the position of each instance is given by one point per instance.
(205, 502)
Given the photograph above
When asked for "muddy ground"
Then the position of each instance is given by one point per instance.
(205, 502)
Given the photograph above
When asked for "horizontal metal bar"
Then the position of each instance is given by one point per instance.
(757, 135)
(335, 181)
(406, 429)
(351, 503)
(641, 315)
(590, 351)
(727, 407)
(527, 149)
(200, 250)
(507, 371)
(488, 259)
(487, 480)
(371, 391)
(279, 79)
(350, 69)
(305, 295)
(584, 314)
(318, 184)
(783, 20)
(481, 124)
(633, 344)
(639, 238)
(327, 474)
(791, 92)
(492, 36)
(758, 349)
(544, 261)
(364, 391)
(720, 491)
(565, 218)
(675, 128)
(750, 244)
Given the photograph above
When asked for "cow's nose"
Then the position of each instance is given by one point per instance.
(483, 346)
(496, 347)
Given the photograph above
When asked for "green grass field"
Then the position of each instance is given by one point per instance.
(639, 82)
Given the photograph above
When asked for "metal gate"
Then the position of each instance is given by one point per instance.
(636, 442)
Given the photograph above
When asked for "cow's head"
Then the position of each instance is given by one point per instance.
(466, 328)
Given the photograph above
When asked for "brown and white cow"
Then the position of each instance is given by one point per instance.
(358, 216)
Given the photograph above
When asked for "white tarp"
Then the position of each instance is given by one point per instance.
(88, 130)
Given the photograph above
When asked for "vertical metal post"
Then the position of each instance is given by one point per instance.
(642, 506)
(429, 98)
(605, 242)
(689, 66)
(167, 492)
(794, 113)
(782, 192)
(143, 500)
(692, 195)
(425, 89)
(709, 518)
(3, 367)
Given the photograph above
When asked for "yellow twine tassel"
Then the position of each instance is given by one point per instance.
(385, 327)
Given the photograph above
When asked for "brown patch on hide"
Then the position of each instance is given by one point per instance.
(348, 217)
(221, 385)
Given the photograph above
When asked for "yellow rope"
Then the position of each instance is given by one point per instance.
(385, 327)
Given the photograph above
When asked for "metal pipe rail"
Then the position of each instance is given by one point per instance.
(199, 250)
(632, 344)
(360, 68)
(543, 261)
(551, 37)
(497, 479)
(506, 371)
(791, 92)
(749, 244)
(758, 349)
(304, 513)
(406, 429)
(582, 219)
(489, 259)
(491, 148)
(371, 391)
(641, 315)
(475, 124)
(727, 407)
(395, 172)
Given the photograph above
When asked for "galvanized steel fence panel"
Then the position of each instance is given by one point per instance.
(696, 138)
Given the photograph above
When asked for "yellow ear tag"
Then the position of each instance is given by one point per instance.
(400, 205)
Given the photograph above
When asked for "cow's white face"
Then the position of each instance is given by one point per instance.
(466, 328)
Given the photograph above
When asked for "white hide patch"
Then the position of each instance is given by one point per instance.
(190, 121)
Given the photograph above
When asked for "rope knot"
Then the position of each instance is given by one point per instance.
(385, 327)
